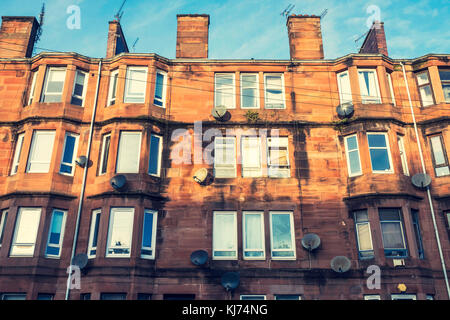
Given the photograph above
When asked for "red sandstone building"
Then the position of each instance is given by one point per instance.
(301, 170)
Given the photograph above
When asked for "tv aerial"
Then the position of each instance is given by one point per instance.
(41, 23)
(323, 14)
(288, 10)
(134, 44)
(119, 13)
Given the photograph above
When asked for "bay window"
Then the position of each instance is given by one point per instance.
(135, 85)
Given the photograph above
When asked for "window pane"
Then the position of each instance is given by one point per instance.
(444, 74)
(225, 157)
(446, 90)
(129, 152)
(254, 237)
(274, 91)
(105, 154)
(380, 160)
(351, 143)
(422, 78)
(113, 296)
(251, 157)
(376, 140)
(364, 239)
(224, 235)
(224, 90)
(355, 166)
(345, 91)
(135, 84)
(281, 231)
(249, 91)
(392, 235)
(159, 90)
(93, 235)
(27, 225)
(17, 153)
(56, 227)
(41, 151)
(112, 87)
(154, 157)
(120, 231)
(368, 86)
(361, 216)
(3, 217)
(438, 151)
(56, 80)
(426, 95)
(69, 149)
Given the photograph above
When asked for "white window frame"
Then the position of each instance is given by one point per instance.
(403, 157)
(153, 240)
(391, 87)
(3, 217)
(278, 296)
(74, 156)
(369, 99)
(138, 98)
(425, 103)
(158, 170)
(255, 143)
(164, 89)
(44, 90)
(293, 248)
(258, 296)
(113, 212)
(263, 244)
(444, 154)
(275, 170)
(388, 148)
(256, 87)
(347, 155)
(372, 297)
(357, 224)
(33, 88)
(112, 88)
(344, 97)
(218, 75)
(283, 94)
(104, 156)
(61, 239)
(34, 231)
(83, 95)
(400, 296)
(234, 235)
(118, 168)
(17, 152)
(223, 170)
(22, 296)
(33, 149)
(96, 214)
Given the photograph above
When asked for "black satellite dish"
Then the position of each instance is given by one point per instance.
(80, 260)
(311, 241)
(345, 110)
(118, 182)
(340, 264)
(230, 280)
(199, 257)
(421, 180)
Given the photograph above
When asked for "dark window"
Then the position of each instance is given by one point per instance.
(45, 296)
(363, 234)
(439, 155)
(144, 296)
(417, 233)
(85, 296)
(179, 297)
(392, 233)
(113, 296)
(444, 74)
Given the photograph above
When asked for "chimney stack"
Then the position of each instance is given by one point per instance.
(116, 40)
(17, 36)
(375, 41)
(305, 37)
(192, 36)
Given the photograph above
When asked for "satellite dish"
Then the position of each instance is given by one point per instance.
(311, 241)
(421, 180)
(341, 264)
(118, 182)
(345, 110)
(201, 175)
(199, 257)
(230, 280)
(80, 260)
(219, 112)
(81, 161)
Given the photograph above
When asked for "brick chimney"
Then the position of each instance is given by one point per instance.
(116, 40)
(375, 41)
(305, 37)
(192, 36)
(17, 36)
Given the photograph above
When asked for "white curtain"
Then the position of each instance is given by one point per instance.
(129, 152)
(253, 231)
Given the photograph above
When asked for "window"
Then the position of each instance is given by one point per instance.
(56, 234)
(392, 233)
(113, 296)
(144, 296)
(3, 217)
(444, 74)
(224, 93)
(363, 234)
(160, 89)
(17, 153)
(13, 296)
(179, 296)
(288, 297)
(425, 90)
(253, 297)
(79, 88)
(368, 84)
(106, 141)
(391, 87)
(380, 155)
(69, 153)
(447, 215)
(135, 85)
(32, 88)
(439, 155)
(112, 91)
(128, 153)
(372, 297)
(352, 151)
(149, 234)
(282, 235)
(224, 235)
(274, 91)
(251, 157)
(120, 232)
(25, 233)
(40, 151)
(345, 90)
(253, 235)
(403, 297)
(278, 157)
(401, 148)
(53, 84)
(45, 296)
(85, 296)
(249, 91)
(429, 297)
(154, 161)
(225, 157)
(93, 233)
(417, 233)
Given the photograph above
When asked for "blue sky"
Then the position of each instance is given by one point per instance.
(242, 28)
